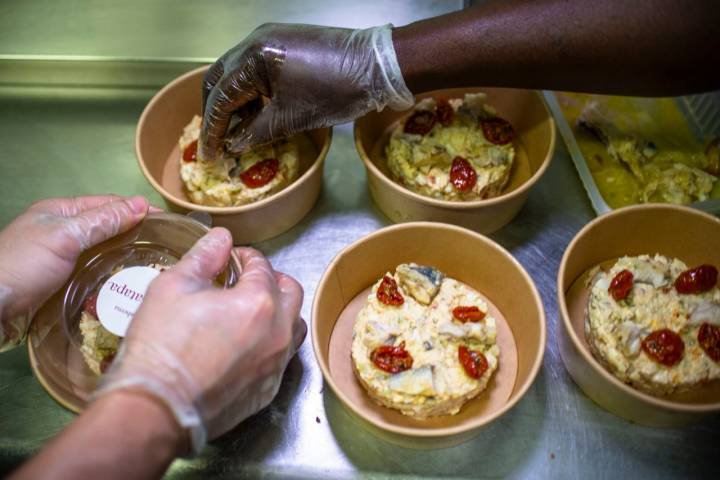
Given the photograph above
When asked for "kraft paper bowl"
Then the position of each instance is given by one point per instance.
(673, 231)
(472, 259)
(534, 144)
(54, 338)
(158, 153)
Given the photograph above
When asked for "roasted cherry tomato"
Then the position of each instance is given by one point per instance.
(392, 359)
(709, 340)
(420, 122)
(697, 280)
(90, 304)
(444, 111)
(497, 130)
(261, 173)
(462, 175)
(106, 362)
(388, 292)
(468, 314)
(664, 346)
(190, 153)
(474, 362)
(621, 285)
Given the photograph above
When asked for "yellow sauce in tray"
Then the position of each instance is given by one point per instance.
(652, 119)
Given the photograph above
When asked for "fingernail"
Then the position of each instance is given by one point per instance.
(138, 205)
(218, 236)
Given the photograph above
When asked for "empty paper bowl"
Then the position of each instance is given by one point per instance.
(534, 145)
(157, 150)
(673, 231)
(55, 340)
(461, 254)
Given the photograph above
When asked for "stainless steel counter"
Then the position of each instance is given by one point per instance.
(65, 138)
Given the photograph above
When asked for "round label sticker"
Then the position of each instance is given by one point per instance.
(120, 297)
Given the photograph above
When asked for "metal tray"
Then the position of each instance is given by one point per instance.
(73, 138)
(702, 113)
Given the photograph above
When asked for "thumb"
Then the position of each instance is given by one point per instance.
(207, 257)
(98, 224)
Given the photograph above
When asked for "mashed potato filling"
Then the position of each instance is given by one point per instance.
(616, 329)
(423, 162)
(220, 183)
(437, 383)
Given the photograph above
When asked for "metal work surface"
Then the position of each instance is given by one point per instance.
(78, 140)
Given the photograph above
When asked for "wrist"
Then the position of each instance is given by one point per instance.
(150, 421)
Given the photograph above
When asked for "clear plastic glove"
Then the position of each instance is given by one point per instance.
(213, 356)
(38, 251)
(309, 77)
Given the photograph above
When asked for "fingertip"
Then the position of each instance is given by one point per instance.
(208, 256)
(138, 205)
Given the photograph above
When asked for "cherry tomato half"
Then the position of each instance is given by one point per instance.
(420, 122)
(497, 130)
(261, 173)
(392, 359)
(90, 304)
(106, 362)
(444, 111)
(709, 340)
(190, 153)
(621, 285)
(664, 346)
(388, 292)
(474, 362)
(468, 314)
(696, 280)
(462, 175)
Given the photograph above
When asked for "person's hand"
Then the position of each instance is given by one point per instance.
(38, 251)
(308, 77)
(213, 356)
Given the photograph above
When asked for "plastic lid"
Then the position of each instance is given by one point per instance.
(67, 367)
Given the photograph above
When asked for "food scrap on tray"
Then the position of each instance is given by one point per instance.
(679, 176)
(424, 343)
(654, 323)
(457, 149)
(232, 181)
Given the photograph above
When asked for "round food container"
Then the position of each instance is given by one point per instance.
(156, 146)
(534, 144)
(474, 260)
(672, 231)
(55, 340)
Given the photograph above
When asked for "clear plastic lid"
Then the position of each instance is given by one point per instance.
(67, 359)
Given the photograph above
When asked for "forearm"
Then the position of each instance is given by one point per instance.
(121, 435)
(662, 47)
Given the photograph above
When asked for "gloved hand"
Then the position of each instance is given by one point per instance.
(213, 356)
(311, 77)
(38, 251)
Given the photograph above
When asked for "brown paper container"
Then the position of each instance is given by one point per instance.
(535, 144)
(158, 153)
(673, 231)
(460, 254)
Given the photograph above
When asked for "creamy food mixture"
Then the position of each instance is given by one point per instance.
(232, 181)
(457, 149)
(655, 324)
(99, 346)
(641, 149)
(423, 343)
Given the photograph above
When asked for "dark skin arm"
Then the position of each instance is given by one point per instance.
(652, 48)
